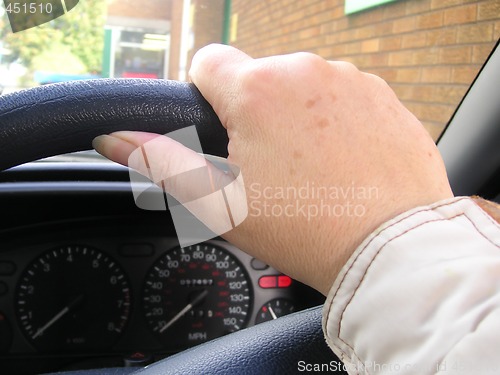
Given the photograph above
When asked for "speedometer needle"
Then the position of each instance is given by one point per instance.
(58, 316)
(186, 308)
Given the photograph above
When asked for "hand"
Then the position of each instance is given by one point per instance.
(327, 153)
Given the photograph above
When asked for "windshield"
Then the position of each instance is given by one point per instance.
(429, 51)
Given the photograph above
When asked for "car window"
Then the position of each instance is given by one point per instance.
(429, 51)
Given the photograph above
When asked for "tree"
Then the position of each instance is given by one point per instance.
(79, 33)
(84, 34)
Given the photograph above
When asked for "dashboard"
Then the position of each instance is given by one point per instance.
(88, 280)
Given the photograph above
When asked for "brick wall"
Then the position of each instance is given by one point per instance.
(428, 50)
(208, 18)
(153, 9)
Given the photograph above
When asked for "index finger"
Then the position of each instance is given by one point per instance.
(214, 71)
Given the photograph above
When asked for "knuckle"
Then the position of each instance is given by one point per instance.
(309, 59)
(256, 76)
(344, 67)
(306, 66)
(255, 81)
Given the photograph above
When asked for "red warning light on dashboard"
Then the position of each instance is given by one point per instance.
(267, 282)
(284, 281)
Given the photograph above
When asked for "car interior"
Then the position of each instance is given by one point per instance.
(92, 284)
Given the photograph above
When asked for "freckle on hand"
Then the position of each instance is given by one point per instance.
(312, 102)
(323, 123)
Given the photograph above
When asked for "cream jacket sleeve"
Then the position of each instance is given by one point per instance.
(421, 295)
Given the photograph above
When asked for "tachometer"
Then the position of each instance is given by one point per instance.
(195, 294)
(73, 298)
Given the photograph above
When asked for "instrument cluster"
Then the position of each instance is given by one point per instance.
(112, 296)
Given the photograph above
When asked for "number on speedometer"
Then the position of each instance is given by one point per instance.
(195, 294)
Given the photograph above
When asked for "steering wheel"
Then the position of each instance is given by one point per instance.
(61, 118)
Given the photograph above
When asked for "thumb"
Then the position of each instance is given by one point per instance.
(210, 188)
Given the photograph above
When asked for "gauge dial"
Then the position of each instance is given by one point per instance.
(274, 309)
(71, 299)
(195, 294)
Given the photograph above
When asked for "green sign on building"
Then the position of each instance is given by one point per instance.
(353, 6)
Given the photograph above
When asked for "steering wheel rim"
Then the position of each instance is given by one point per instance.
(65, 117)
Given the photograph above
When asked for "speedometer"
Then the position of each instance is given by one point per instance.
(195, 294)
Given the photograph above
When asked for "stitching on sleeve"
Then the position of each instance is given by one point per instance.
(368, 244)
(344, 355)
(479, 230)
(380, 250)
(485, 214)
(371, 262)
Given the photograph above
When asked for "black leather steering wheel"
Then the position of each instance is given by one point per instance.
(61, 118)
(65, 117)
